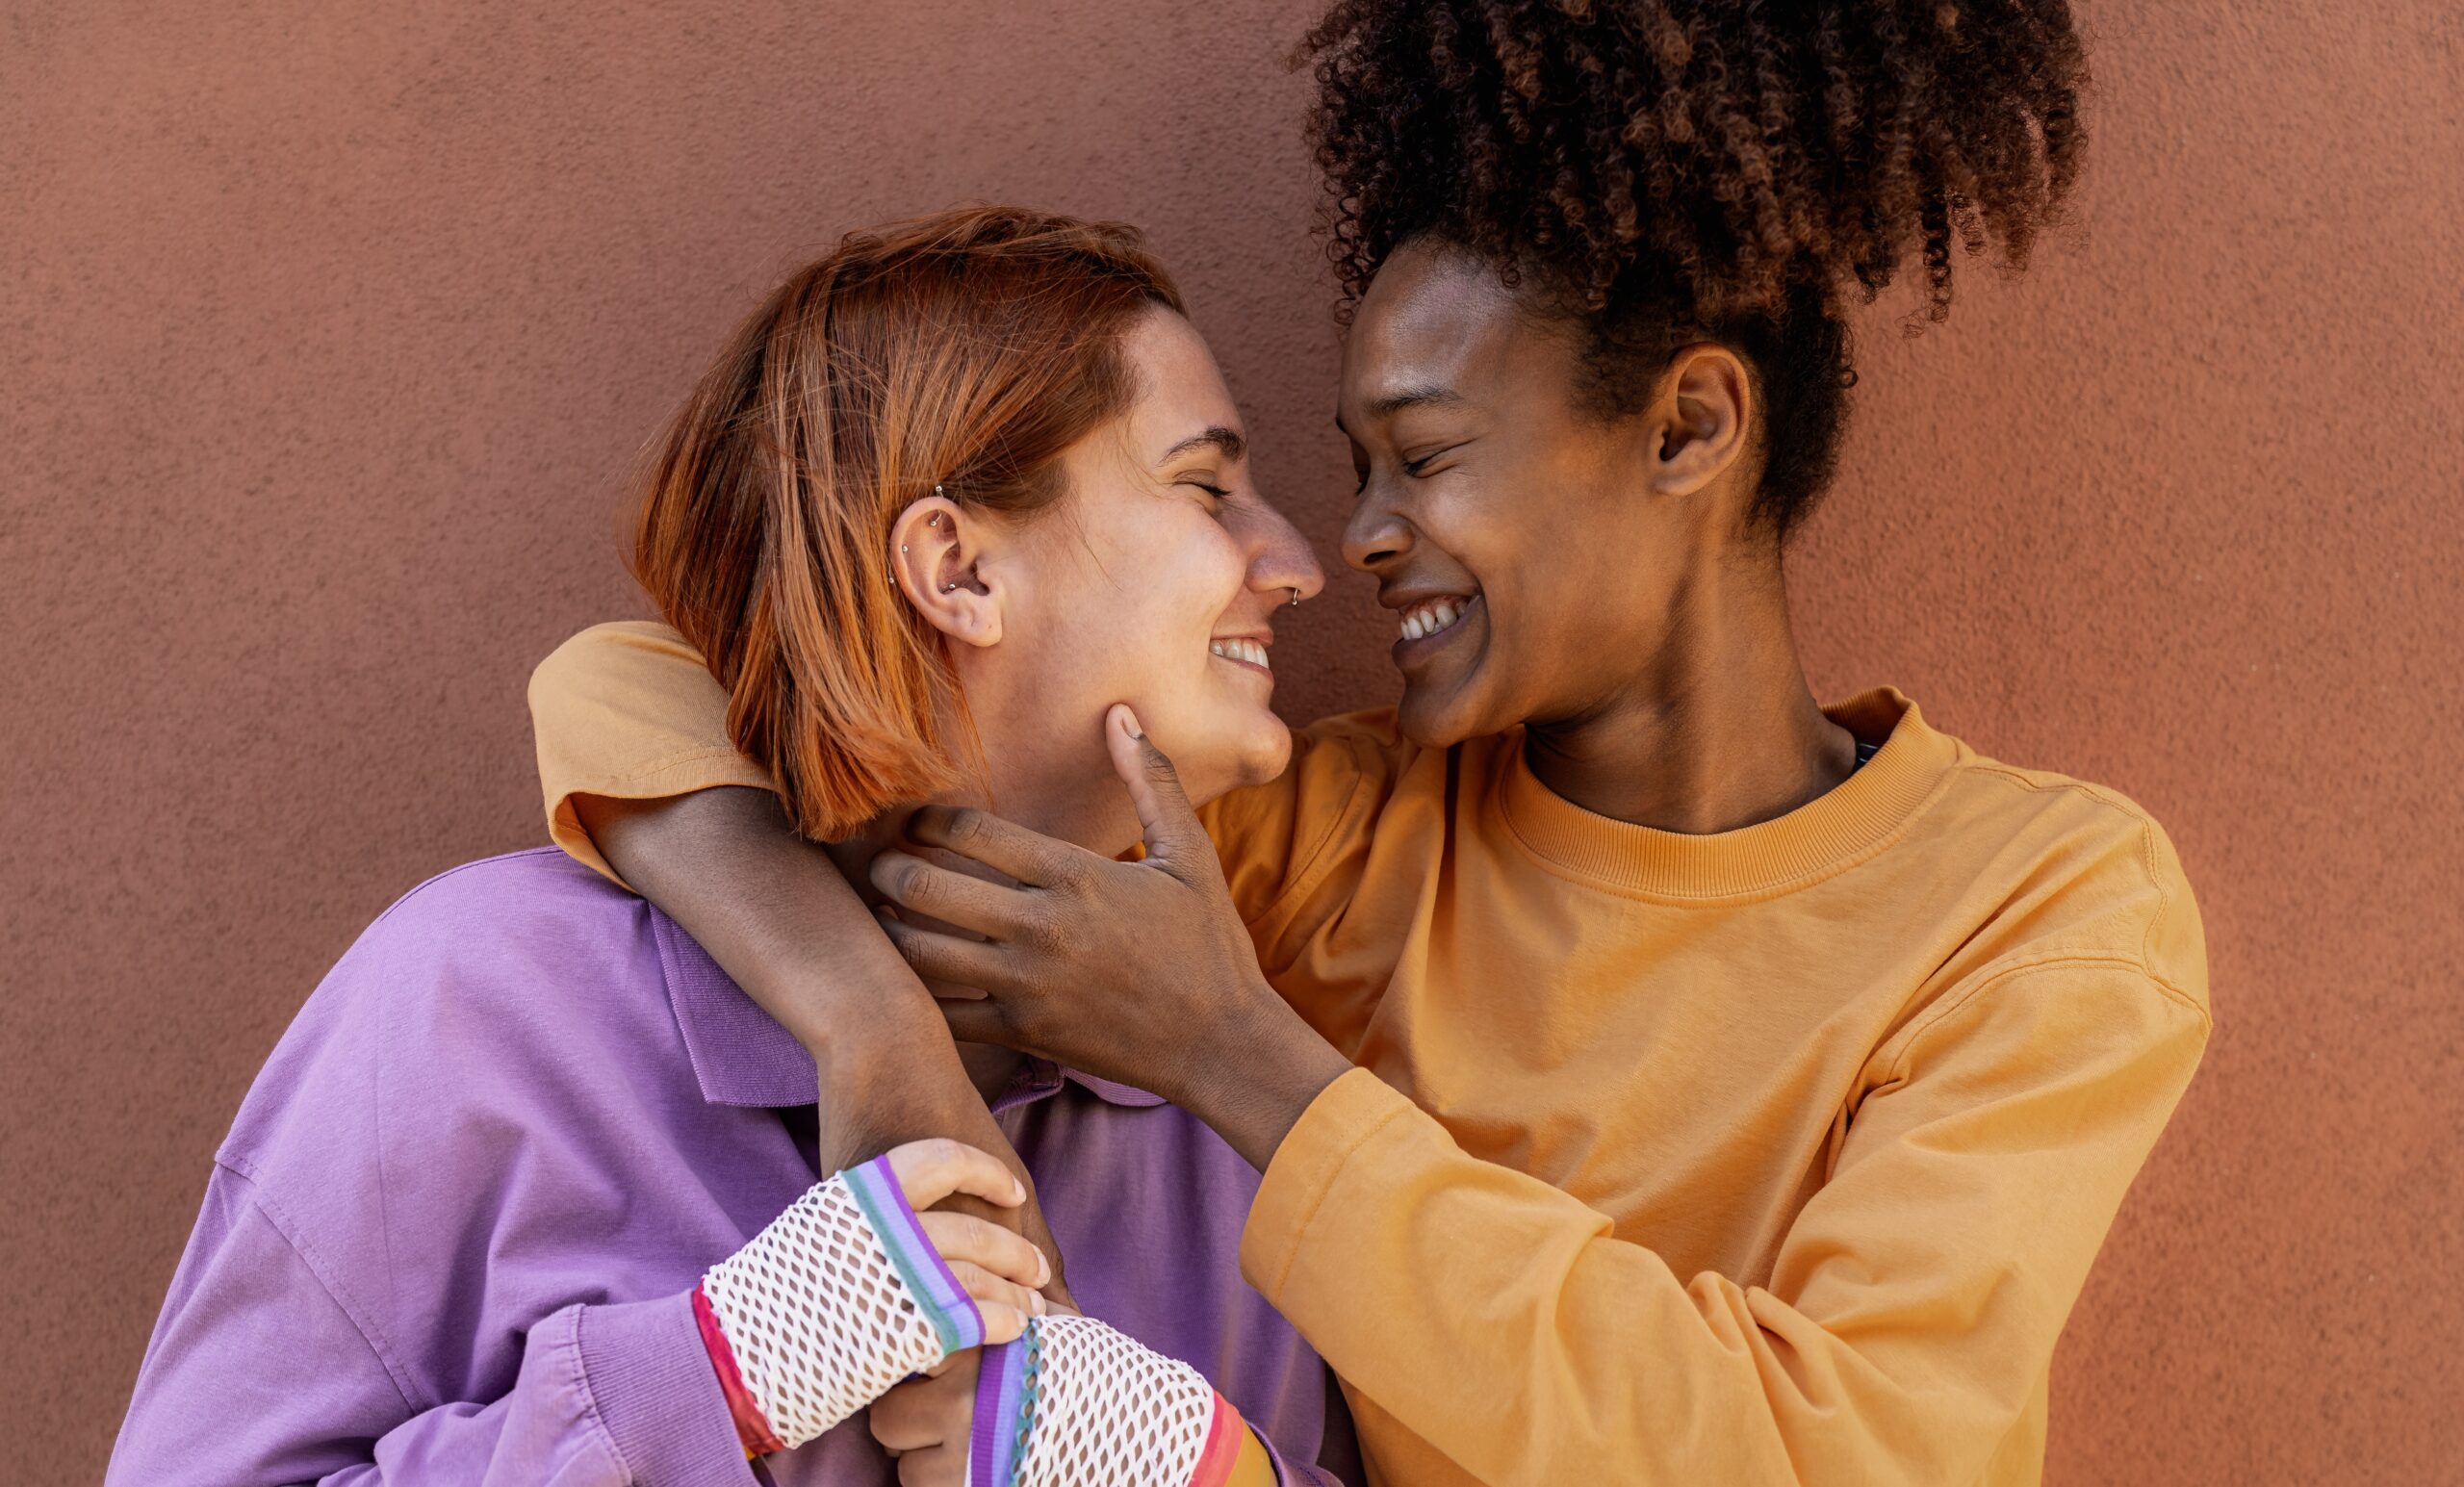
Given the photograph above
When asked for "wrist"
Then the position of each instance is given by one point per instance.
(830, 1306)
(1258, 1072)
(1237, 1027)
(752, 1430)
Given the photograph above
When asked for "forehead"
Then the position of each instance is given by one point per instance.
(1180, 389)
(1431, 319)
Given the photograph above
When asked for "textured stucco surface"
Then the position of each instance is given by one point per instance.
(329, 334)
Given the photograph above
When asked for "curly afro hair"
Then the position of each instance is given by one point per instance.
(1667, 171)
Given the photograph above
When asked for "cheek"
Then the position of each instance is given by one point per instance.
(1144, 603)
(1190, 580)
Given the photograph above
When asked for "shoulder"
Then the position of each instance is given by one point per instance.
(488, 986)
(2082, 871)
(497, 898)
(1353, 760)
(504, 938)
(1343, 773)
(612, 654)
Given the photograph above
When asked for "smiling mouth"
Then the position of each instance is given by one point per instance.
(1433, 617)
(1241, 650)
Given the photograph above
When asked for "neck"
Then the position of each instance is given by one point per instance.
(1717, 731)
(1092, 817)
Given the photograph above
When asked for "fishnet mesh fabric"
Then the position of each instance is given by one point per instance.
(1111, 1412)
(817, 1315)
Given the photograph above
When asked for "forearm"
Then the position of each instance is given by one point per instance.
(778, 916)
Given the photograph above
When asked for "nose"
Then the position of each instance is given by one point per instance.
(1377, 536)
(1279, 556)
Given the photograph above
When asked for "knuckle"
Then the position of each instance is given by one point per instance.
(1042, 928)
(909, 883)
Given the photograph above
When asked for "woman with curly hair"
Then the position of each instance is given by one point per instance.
(1655, 1076)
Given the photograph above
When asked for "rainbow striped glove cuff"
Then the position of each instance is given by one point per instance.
(1076, 1401)
(842, 1298)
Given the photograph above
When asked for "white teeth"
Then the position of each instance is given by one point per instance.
(1432, 616)
(1237, 649)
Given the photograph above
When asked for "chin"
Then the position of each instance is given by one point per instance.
(1271, 753)
(1440, 717)
(1260, 756)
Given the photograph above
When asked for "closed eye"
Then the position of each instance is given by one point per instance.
(1414, 468)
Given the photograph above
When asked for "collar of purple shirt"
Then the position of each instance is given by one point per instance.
(743, 1056)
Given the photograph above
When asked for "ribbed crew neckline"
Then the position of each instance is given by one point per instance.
(1861, 810)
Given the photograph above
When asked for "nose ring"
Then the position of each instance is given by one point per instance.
(1296, 596)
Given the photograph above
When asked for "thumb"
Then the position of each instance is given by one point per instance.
(1165, 815)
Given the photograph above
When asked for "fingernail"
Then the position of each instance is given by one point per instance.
(1129, 724)
(1038, 1304)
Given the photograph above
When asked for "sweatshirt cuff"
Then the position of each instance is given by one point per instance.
(650, 1379)
(1345, 1116)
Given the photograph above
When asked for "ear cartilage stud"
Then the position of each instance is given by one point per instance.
(947, 587)
(902, 547)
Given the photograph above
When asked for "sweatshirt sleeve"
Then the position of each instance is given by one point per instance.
(628, 711)
(257, 1374)
(1908, 1318)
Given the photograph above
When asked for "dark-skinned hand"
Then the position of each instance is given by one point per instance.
(1140, 972)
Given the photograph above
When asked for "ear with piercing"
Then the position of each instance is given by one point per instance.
(935, 520)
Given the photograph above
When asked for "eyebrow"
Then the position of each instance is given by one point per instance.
(1228, 440)
(1391, 403)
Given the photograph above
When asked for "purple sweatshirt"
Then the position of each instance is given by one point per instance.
(453, 1233)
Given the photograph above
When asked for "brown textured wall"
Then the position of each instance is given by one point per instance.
(327, 333)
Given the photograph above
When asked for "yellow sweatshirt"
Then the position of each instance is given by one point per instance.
(1773, 1156)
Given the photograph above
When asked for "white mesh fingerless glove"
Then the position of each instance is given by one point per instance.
(839, 1298)
(1074, 1401)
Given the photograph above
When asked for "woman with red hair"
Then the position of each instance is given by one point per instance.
(531, 1193)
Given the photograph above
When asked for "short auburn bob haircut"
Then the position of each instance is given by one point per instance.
(962, 352)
